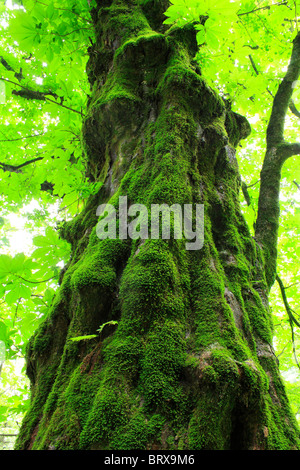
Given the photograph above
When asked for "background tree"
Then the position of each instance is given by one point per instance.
(190, 364)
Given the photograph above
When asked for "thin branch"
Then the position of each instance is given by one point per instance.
(283, 349)
(292, 106)
(296, 16)
(268, 7)
(257, 72)
(22, 138)
(66, 107)
(65, 9)
(29, 162)
(293, 109)
(297, 184)
(16, 313)
(17, 169)
(292, 319)
(8, 67)
(292, 285)
(36, 95)
(254, 184)
(71, 32)
(35, 282)
(247, 31)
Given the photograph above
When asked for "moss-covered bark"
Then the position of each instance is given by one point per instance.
(190, 364)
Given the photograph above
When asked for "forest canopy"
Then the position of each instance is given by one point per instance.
(244, 49)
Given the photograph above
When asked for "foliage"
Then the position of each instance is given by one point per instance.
(244, 48)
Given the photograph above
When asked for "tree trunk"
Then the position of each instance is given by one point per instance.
(189, 365)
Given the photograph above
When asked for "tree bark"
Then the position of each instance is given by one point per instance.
(190, 364)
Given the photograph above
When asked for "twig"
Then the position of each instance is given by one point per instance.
(37, 95)
(291, 317)
(297, 184)
(22, 138)
(35, 282)
(65, 9)
(268, 7)
(17, 169)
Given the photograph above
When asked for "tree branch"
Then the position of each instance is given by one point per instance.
(17, 168)
(8, 67)
(297, 184)
(268, 7)
(22, 138)
(36, 282)
(293, 109)
(291, 317)
(287, 150)
(46, 186)
(66, 9)
(277, 152)
(275, 130)
(292, 106)
(29, 94)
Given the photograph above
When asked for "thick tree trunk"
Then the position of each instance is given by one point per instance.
(190, 364)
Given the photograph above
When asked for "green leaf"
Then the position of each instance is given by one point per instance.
(18, 292)
(3, 332)
(83, 338)
(5, 265)
(111, 322)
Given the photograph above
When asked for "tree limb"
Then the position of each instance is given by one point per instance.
(8, 67)
(277, 152)
(268, 7)
(246, 193)
(275, 130)
(17, 168)
(292, 106)
(29, 94)
(291, 317)
(22, 138)
(293, 109)
(297, 184)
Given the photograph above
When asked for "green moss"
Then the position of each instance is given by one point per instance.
(259, 317)
(109, 411)
(42, 338)
(124, 354)
(127, 22)
(137, 434)
(161, 363)
(98, 266)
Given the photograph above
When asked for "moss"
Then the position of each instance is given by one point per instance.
(109, 411)
(44, 381)
(99, 265)
(42, 338)
(122, 21)
(139, 432)
(124, 354)
(260, 318)
(161, 363)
